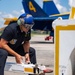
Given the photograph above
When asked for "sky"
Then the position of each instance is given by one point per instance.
(14, 8)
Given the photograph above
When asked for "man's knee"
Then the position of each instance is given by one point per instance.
(32, 55)
(32, 51)
(3, 53)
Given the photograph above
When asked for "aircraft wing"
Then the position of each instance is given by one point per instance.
(63, 15)
(41, 23)
(45, 23)
(8, 20)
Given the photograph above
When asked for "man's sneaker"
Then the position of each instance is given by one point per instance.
(48, 70)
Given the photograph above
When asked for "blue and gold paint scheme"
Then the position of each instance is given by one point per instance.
(43, 17)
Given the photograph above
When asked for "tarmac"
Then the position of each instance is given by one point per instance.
(44, 53)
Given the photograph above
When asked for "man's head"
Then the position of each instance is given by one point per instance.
(26, 21)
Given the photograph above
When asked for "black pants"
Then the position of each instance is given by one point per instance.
(19, 50)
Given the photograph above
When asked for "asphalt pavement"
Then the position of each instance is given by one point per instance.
(44, 53)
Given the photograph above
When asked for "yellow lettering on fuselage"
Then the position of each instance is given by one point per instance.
(31, 7)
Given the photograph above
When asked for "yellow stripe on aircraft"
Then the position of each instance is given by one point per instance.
(60, 14)
(72, 14)
(47, 0)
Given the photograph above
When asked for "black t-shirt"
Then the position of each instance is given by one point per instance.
(13, 32)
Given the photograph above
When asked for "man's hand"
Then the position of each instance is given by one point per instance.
(18, 58)
(27, 58)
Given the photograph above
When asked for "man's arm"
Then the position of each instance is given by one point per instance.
(26, 47)
(4, 45)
